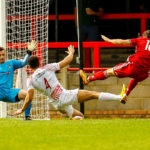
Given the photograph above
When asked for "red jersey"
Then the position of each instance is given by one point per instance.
(141, 57)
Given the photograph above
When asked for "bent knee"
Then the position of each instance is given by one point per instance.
(110, 72)
(22, 94)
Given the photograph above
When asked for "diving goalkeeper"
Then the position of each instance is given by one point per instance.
(7, 68)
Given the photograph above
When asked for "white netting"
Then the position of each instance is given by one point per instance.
(27, 20)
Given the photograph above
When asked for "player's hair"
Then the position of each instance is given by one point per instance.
(33, 62)
(2, 48)
(146, 33)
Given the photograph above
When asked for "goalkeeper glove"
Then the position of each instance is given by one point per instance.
(31, 47)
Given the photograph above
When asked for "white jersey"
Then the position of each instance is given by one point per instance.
(45, 81)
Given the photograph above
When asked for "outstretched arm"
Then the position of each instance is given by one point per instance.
(116, 41)
(66, 61)
(27, 102)
(25, 60)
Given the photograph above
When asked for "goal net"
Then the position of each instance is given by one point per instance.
(27, 20)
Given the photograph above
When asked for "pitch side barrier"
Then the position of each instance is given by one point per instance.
(141, 16)
(96, 49)
(87, 69)
(52, 45)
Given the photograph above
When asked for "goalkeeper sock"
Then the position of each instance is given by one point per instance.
(109, 96)
(28, 109)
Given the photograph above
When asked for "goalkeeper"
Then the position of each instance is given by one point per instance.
(7, 68)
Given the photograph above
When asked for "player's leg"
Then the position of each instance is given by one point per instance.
(21, 95)
(70, 97)
(123, 95)
(101, 75)
(84, 95)
(77, 113)
(131, 86)
(121, 70)
(140, 76)
(72, 113)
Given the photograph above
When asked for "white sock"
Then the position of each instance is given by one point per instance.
(109, 96)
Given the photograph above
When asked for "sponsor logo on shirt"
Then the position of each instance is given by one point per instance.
(1, 73)
(57, 92)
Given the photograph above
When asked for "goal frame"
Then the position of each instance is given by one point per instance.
(37, 22)
(3, 109)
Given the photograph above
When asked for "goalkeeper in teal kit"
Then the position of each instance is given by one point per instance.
(7, 68)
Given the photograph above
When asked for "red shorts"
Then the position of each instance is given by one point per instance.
(129, 69)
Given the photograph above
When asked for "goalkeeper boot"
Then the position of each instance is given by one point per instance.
(27, 118)
(123, 95)
(84, 77)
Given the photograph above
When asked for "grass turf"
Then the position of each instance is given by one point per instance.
(89, 134)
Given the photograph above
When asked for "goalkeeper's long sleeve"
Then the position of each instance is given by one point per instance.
(25, 60)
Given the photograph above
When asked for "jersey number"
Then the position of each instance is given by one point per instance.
(147, 45)
(46, 83)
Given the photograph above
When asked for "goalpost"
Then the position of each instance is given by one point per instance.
(3, 113)
(27, 20)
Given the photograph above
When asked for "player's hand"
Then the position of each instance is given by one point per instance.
(71, 50)
(32, 46)
(19, 111)
(105, 38)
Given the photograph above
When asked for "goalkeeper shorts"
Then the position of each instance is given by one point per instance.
(9, 95)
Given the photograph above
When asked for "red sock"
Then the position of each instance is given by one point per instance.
(98, 76)
(131, 86)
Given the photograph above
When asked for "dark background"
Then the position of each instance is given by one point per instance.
(112, 28)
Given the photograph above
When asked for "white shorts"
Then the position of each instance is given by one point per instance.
(68, 97)
(66, 100)
(68, 110)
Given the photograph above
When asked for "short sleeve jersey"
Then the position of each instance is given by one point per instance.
(7, 72)
(45, 81)
(142, 53)
(142, 44)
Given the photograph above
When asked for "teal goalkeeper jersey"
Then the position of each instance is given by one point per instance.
(7, 72)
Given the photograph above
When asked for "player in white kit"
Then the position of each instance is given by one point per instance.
(44, 80)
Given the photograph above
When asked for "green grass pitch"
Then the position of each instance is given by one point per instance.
(89, 134)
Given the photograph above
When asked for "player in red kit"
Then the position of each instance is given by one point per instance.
(137, 66)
